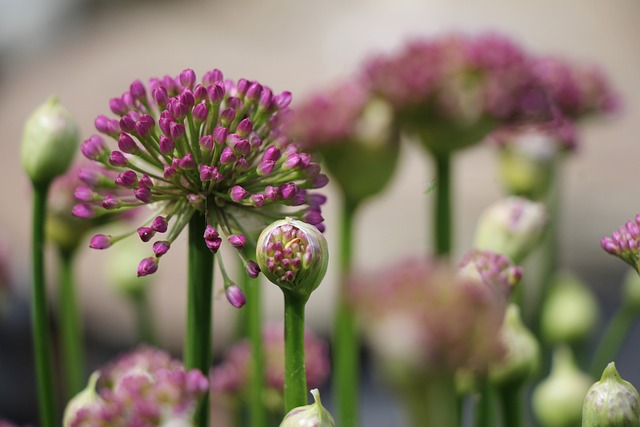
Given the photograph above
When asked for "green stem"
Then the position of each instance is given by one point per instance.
(612, 339)
(257, 409)
(511, 406)
(70, 327)
(295, 378)
(198, 337)
(346, 362)
(441, 408)
(485, 415)
(43, 356)
(442, 221)
(144, 318)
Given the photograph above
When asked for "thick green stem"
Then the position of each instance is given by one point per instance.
(345, 356)
(612, 339)
(43, 356)
(144, 318)
(70, 327)
(257, 409)
(511, 406)
(442, 220)
(441, 408)
(295, 378)
(198, 337)
(485, 414)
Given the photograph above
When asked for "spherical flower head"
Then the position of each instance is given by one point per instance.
(145, 388)
(570, 312)
(231, 377)
(447, 321)
(624, 243)
(512, 226)
(521, 358)
(493, 269)
(49, 142)
(558, 399)
(354, 132)
(293, 255)
(611, 402)
(314, 415)
(452, 90)
(212, 147)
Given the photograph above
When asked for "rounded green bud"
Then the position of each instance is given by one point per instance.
(293, 255)
(611, 402)
(314, 415)
(85, 398)
(49, 142)
(557, 400)
(570, 312)
(631, 291)
(512, 226)
(522, 352)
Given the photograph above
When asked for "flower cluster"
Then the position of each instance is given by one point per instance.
(232, 376)
(625, 243)
(214, 148)
(144, 388)
(493, 269)
(449, 320)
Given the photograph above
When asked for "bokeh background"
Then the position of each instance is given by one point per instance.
(87, 51)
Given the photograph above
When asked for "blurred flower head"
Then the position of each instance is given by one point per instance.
(214, 147)
(144, 388)
(493, 269)
(422, 318)
(231, 377)
(624, 243)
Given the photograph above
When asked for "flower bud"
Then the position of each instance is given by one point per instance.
(293, 255)
(557, 400)
(522, 352)
(49, 142)
(84, 399)
(611, 402)
(570, 312)
(512, 227)
(314, 415)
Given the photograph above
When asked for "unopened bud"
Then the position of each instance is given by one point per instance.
(314, 415)
(611, 402)
(82, 400)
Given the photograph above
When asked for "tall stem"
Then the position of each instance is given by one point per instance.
(43, 356)
(257, 409)
(612, 339)
(485, 415)
(144, 318)
(295, 378)
(511, 406)
(70, 327)
(346, 362)
(198, 338)
(441, 408)
(442, 221)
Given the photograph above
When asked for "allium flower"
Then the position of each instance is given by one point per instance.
(493, 269)
(232, 376)
(447, 321)
(144, 388)
(456, 87)
(625, 243)
(214, 147)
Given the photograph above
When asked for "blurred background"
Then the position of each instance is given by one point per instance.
(87, 51)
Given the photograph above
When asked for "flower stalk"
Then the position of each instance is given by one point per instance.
(295, 380)
(442, 222)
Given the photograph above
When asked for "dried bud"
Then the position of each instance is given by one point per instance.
(314, 415)
(557, 400)
(611, 402)
(522, 352)
(49, 142)
(570, 312)
(512, 227)
(293, 255)
(82, 400)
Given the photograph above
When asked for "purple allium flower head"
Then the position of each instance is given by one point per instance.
(197, 147)
(231, 377)
(625, 243)
(448, 321)
(144, 388)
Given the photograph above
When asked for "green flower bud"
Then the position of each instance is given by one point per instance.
(525, 173)
(631, 291)
(49, 142)
(293, 255)
(611, 402)
(522, 352)
(85, 398)
(557, 400)
(512, 226)
(314, 415)
(570, 312)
